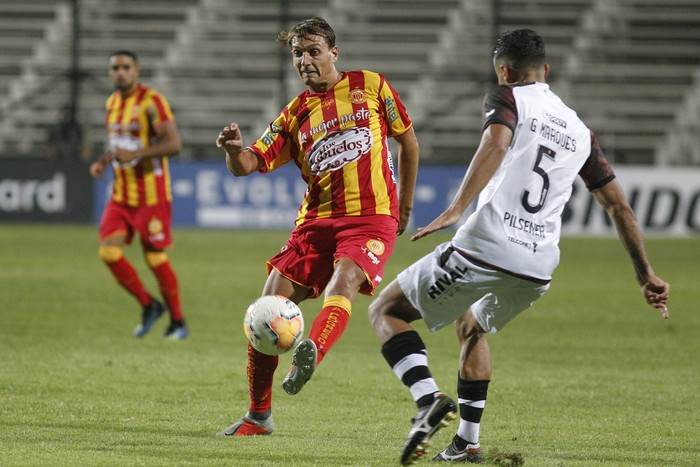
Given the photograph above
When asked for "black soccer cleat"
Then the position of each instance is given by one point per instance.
(427, 422)
(177, 331)
(469, 455)
(149, 316)
(303, 367)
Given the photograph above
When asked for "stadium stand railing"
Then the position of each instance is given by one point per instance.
(627, 66)
(681, 145)
(24, 26)
(631, 64)
(43, 84)
(225, 65)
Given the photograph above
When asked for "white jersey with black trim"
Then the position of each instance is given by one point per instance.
(517, 222)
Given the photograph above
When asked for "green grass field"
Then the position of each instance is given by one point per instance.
(589, 376)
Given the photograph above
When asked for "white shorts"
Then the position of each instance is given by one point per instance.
(443, 285)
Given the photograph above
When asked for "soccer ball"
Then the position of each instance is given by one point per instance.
(273, 324)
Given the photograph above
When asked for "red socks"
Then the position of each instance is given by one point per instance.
(330, 324)
(126, 275)
(167, 281)
(260, 369)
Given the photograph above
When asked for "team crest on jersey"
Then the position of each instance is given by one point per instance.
(357, 96)
(376, 247)
(155, 226)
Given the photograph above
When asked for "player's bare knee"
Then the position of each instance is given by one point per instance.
(380, 308)
(375, 311)
(110, 253)
(467, 327)
(472, 340)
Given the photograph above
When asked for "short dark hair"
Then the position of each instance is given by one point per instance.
(315, 26)
(128, 53)
(520, 49)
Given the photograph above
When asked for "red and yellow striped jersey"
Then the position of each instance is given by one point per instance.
(338, 139)
(131, 123)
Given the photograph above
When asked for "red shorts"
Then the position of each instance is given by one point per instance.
(308, 258)
(151, 222)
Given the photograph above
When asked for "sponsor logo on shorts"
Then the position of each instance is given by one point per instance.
(446, 282)
(370, 255)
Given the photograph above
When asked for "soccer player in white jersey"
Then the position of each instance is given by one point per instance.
(501, 259)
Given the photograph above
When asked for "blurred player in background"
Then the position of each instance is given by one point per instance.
(336, 133)
(142, 135)
(501, 260)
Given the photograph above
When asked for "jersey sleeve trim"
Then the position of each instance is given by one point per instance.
(499, 107)
(596, 171)
(601, 183)
(254, 150)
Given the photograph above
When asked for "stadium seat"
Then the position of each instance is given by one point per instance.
(629, 67)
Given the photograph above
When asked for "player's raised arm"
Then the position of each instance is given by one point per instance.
(240, 161)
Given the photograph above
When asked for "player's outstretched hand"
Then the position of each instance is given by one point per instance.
(230, 139)
(655, 292)
(97, 168)
(444, 220)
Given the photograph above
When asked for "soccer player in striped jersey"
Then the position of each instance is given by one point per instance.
(142, 135)
(501, 260)
(336, 133)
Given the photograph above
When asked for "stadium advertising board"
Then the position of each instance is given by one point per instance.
(44, 191)
(666, 200)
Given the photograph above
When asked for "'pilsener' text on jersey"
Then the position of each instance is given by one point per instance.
(517, 222)
(131, 123)
(339, 141)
